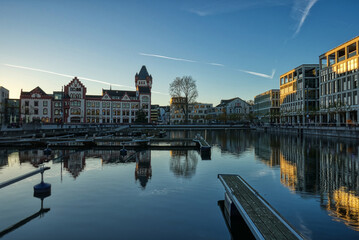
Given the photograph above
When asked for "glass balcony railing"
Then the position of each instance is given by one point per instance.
(341, 58)
(352, 54)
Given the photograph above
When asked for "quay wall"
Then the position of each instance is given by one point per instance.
(341, 132)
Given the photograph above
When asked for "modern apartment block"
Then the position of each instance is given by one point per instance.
(73, 105)
(339, 84)
(266, 106)
(197, 112)
(299, 94)
(4, 95)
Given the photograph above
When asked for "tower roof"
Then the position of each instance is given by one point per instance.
(143, 73)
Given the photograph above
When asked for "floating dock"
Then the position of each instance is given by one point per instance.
(262, 219)
(204, 147)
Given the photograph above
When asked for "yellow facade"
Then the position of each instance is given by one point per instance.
(343, 58)
(288, 85)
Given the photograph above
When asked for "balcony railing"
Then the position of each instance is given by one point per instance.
(341, 58)
(352, 54)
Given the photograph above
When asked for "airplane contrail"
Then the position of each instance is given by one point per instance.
(69, 76)
(165, 57)
(209, 63)
(259, 74)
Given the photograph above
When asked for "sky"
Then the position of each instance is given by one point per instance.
(231, 48)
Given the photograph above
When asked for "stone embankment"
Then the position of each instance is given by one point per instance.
(328, 131)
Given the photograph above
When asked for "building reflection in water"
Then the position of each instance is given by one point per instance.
(327, 169)
(143, 170)
(74, 163)
(229, 141)
(320, 167)
(183, 163)
(35, 157)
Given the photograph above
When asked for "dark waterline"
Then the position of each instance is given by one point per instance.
(312, 182)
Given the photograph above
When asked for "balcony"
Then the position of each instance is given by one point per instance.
(352, 54)
(341, 58)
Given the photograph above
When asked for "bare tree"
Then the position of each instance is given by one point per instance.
(186, 88)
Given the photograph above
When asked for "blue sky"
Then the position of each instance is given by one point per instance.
(231, 48)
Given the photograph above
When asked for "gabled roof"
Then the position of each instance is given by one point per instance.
(35, 90)
(73, 80)
(105, 96)
(143, 73)
(227, 101)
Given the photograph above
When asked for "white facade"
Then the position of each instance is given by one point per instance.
(232, 106)
(35, 106)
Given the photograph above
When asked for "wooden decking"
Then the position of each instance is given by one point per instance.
(264, 221)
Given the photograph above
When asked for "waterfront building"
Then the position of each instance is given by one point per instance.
(177, 110)
(74, 101)
(12, 111)
(164, 115)
(197, 112)
(155, 109)
(266, 106)
(35, 106)
(233, 109)
(57, 107)
(73, 105)
(299, 94)
(4, 95)
(339, 84)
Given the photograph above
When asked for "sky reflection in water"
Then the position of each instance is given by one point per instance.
(312, 182)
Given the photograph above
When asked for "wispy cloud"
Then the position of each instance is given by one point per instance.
(301, 9)
(259, 74)
(216, 64)
(165, 57)
(67, 75)
(199, 12)
(209, 63)
(225, 6)
(81, 78)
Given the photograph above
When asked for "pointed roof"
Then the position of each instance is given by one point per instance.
(143, 73)
(35, 90)
(38, 90)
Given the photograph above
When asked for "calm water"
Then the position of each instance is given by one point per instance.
(312, 182)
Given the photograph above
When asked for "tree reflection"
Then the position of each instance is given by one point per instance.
(183, 163)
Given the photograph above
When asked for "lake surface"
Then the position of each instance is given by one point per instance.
(313, 182)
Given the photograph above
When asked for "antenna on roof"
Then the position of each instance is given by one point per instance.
(110, 87)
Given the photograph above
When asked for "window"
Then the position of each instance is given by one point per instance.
(45, 103)
(36, 103)
(36, 111)
(44, 111)
(26, 103)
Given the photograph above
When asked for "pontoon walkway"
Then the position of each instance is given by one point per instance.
(262, 219)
